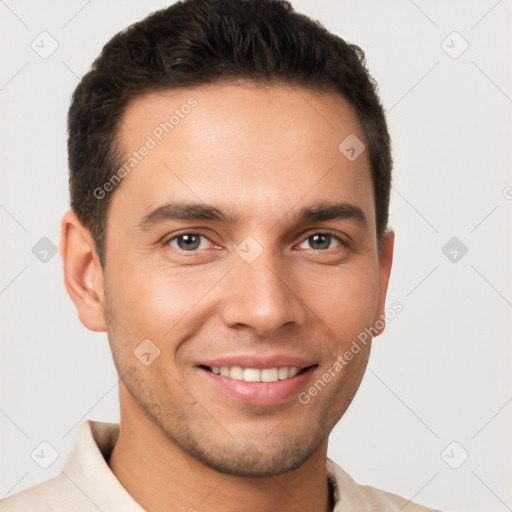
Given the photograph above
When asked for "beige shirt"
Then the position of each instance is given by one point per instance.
(86, 484)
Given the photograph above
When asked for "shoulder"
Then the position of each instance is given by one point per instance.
(53, 495)
(34, 499)
(351, 496)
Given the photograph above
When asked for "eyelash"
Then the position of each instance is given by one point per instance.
(342, 242)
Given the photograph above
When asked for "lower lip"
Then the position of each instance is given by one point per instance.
(259, 393)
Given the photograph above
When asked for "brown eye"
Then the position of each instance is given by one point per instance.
(321, 241)
(188, 242)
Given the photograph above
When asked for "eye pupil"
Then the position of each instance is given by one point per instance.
(323, 240)
(188, 242)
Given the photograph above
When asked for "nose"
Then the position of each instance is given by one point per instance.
(262, 296)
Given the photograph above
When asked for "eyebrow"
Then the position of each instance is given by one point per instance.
(318, 212)
(331, 211)
(186, 211)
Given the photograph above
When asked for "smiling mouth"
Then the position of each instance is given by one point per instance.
(257, 374)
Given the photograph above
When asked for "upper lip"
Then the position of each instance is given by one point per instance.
(259, 361)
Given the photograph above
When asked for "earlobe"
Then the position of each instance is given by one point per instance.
(385, 263)
(83, 274)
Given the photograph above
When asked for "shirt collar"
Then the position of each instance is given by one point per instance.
(87, 469)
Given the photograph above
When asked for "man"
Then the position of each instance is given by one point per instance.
(229, 173)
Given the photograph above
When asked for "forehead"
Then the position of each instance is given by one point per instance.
(242, 147)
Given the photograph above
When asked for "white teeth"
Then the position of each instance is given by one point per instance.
(252, 375)
(283, 373)
(292, 372)
(269, 375)
(255, 374)
(236, 372)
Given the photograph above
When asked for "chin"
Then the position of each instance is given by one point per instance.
(250, 462)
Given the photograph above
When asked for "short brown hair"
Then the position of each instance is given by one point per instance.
(197, 42)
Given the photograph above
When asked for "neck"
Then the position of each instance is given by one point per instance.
(162, 477)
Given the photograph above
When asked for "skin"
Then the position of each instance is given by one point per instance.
(261, 153)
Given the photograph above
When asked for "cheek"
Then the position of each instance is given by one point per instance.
(348, 301)
(158, 303)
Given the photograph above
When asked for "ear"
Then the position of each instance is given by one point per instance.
(385, 262)
(83, 275)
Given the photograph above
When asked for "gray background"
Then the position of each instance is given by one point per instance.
(441, 371)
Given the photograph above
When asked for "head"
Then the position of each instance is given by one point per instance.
(230, 173)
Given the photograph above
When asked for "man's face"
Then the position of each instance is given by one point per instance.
(260, 288)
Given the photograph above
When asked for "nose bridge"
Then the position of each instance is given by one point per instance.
(260, 292)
